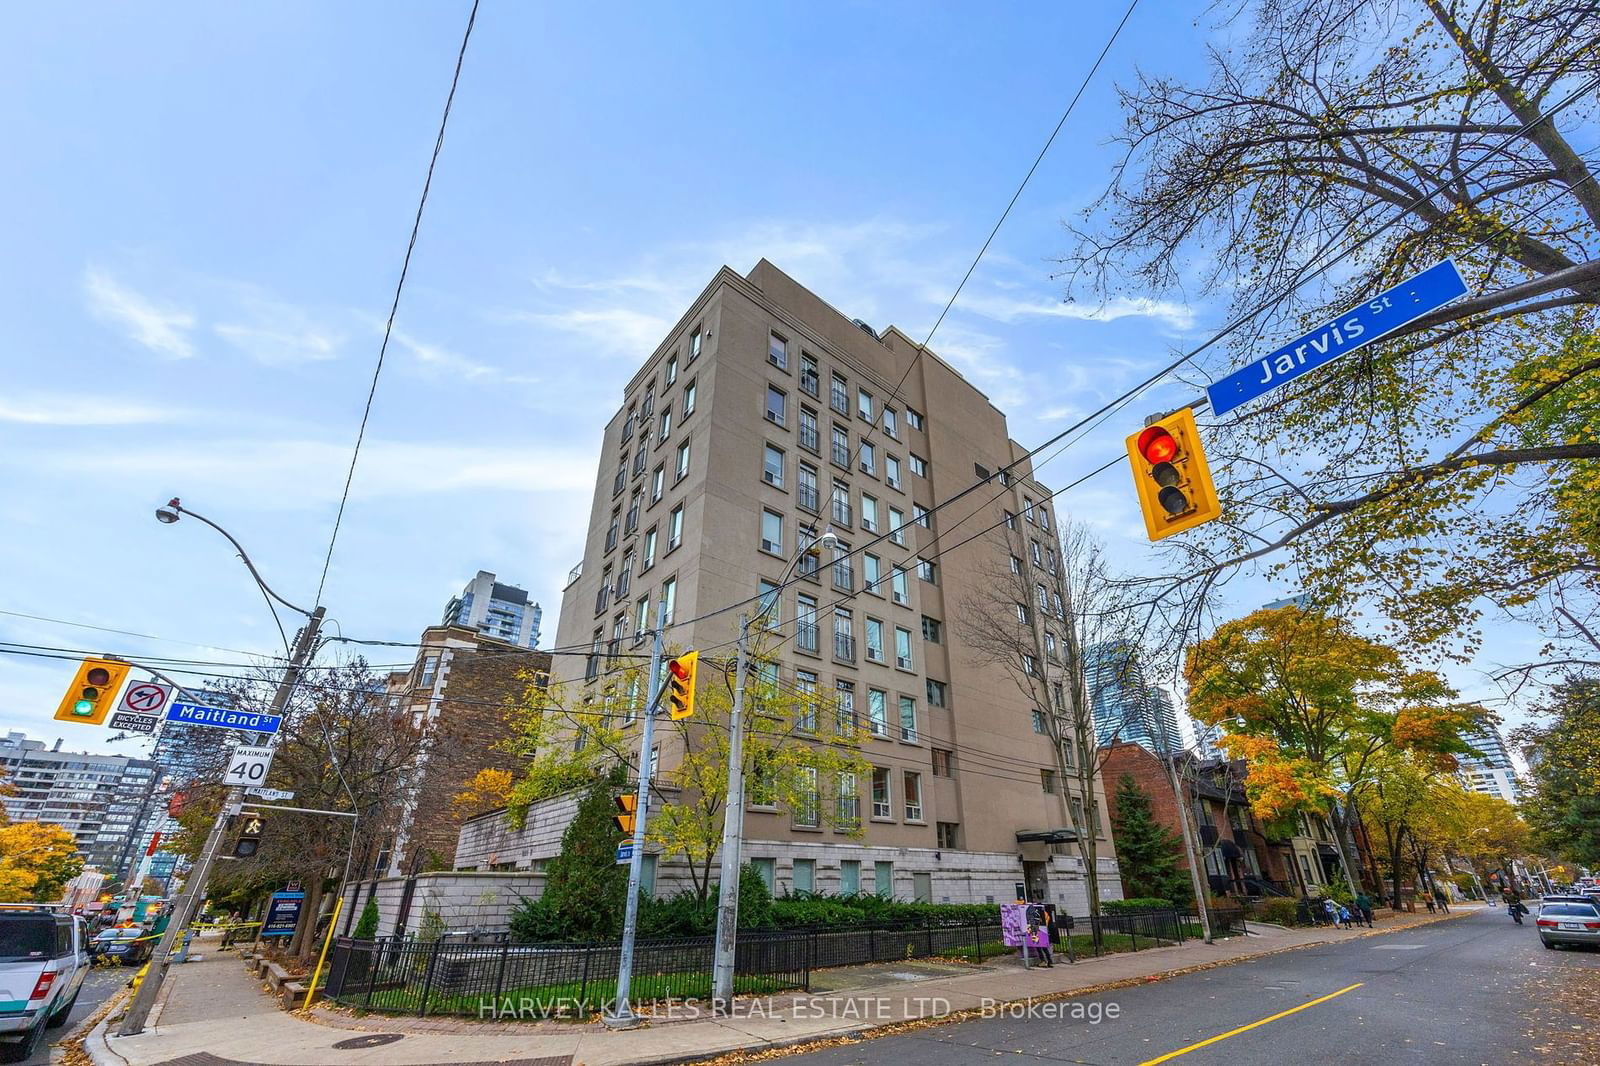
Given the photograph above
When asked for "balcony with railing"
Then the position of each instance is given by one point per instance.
(839, 397)
(808, 435)
(841, 511)
(574, 574)
(807, 498)
(840, 453)
(843, 575)
(844, 647)
(805, 636)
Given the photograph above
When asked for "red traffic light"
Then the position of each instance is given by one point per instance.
(679, 671)
(1157, 445)
(98, 676)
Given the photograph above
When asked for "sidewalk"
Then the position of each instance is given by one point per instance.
(213, 1012)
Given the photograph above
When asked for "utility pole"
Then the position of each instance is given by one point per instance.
(195, 887)
(1188, 847)
(622, 1016)
(732, 841)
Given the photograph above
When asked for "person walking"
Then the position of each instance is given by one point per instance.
(1364, 905)
(1428, 901)
(1331, 909)
(1441, 899)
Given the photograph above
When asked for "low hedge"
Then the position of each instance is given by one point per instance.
(790, 912)
(1135, 905)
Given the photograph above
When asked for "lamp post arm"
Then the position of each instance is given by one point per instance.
(242, 555)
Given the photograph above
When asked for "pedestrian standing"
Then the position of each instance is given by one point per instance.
(1364, 905)
(1039, 933)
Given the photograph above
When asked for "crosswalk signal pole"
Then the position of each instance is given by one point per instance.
(621, 1015)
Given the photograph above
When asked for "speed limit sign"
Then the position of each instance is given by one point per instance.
(248, 766)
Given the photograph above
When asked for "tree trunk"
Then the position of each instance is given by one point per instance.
(303, 943)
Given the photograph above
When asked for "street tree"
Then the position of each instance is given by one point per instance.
(1486, 832)
(37, 859)
(1313, 707)
(1039, 614)
(1562, 801)
(1149, 855)
(802, 751)
(1447, 469)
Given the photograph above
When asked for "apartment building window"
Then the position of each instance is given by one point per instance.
(635, 505)
(1060, 696)
(672, 372)
(1043, 598)
(658, 483)
(1011, 520)
(844, 710)
(919, 466)
(913, 794)
(1047, 781)
(675, 528)
(641, 457)
(666, 424)
(928, 570)
(777, 351)
(591, 668)
(806, 495)
(613, 529)
(938, 694)
(809, 380)
(874, 640)
(628, 426)
(690, 392)
(1055, 602)
(891, 471)
(649, 559)
(897, 523)
(1030, 665)
(869, 460)
(647, 408)
(1044, 518)
(771, 532)
(619, 482)
(777, 402)
(847, 810)
(850, 877)
(908, 719)
(1066, 752)
(889, 423)
(806, 622)
(902, 648)
(805, 685)
(871, 574)
(669, 600)
(839, 395)
(864, 404)
(841, 503)
(877, 712)
(772, 466)
(1050, 644)
(949, 836)
(808, 559)
(808, 808)
(626, 577)
(641, 614)
(839, 446)
(943, 762)
(883, 879)
(429, 671)
(882, 801)
(1039, 724)
(869, 513)
(914, 418)
(805, 876)
(808, 429)
(681, 470)
(921, 516)
(694, 344)
(1016, 565)
(844, 636)
(899, 587)
(932, 630)
(768, 603)
(1027, 508)
(842, 577)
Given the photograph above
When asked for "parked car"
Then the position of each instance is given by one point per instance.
(127, 944)
(1564, 897)
(1569, 923)
(42, 965)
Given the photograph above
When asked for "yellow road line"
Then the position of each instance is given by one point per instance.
(1252, 1025)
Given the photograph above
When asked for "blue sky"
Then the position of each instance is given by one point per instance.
(209, 204)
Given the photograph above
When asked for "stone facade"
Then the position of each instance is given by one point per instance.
(464, 900)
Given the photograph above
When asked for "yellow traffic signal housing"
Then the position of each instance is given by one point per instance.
(680, 685)
(93, 692)
(1171, 475)
(628, 804)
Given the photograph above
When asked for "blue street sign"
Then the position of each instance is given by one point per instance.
(624, 852)
(1383, 314)
(222, 717)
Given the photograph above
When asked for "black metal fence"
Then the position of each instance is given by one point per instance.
(499, 979)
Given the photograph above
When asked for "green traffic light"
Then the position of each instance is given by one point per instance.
(83, 707)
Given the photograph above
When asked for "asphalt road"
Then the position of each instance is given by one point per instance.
(98, 986)
(1474, 990)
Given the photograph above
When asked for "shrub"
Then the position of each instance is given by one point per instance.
(367, 924)
(755, 901)
(432, 927)
(584, 885)
(1140, 903)
(536, 921)
(1279, 910)
(792, 912)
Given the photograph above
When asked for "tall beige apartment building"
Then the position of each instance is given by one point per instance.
(764, 418)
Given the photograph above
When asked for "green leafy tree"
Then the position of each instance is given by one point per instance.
(1562, 804)
(367, 924)
(585, 887)
(1148, 853)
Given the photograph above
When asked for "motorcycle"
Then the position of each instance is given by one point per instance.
(1517, 911)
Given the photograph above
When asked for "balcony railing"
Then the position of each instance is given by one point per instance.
(841, 512)
(808, 435)
(806, 636)
(808, 499)
(844, 647)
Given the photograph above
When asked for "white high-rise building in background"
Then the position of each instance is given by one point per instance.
(495, 610)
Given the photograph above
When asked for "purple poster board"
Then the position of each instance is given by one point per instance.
(1014, 926)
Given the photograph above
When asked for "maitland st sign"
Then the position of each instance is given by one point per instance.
(222, 717)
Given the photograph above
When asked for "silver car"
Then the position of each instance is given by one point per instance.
(1569, 923)
(42, 965)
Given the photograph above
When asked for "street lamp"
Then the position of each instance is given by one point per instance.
(184, 911)
(733, 809)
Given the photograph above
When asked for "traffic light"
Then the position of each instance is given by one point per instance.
(680, 685)
(93, 692)
(248, 841)
(627, 803)
(1171, 475)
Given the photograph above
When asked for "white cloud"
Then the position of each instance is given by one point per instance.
(1009, 309)
(616, 331)
(269, 330)
(437, 359)
(65, 409)
(161, 329)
